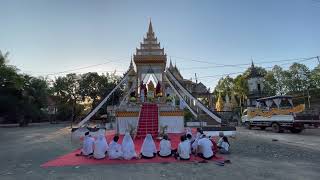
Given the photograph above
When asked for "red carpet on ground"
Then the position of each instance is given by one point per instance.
(72, 160)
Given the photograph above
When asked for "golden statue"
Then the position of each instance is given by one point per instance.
(219, 103)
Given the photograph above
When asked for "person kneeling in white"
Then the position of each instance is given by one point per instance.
(184, 149)
(87, 146)
(128, 147)
(224, 148)
(100, 147)
(165, 147)
(148, 148)
(115, 151)
(205, 148)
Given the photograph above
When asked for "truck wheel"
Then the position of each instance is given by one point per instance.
(247, 125)
(294, 130)
(275, 127)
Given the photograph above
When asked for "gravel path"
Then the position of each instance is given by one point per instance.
(255, 155)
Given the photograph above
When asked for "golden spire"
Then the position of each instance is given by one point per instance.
(219, 103)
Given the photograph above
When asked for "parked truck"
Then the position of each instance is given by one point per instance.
(279, 113)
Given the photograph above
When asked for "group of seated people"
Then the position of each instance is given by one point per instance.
(199, 145)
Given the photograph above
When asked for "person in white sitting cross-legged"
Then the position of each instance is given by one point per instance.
(115, 150)
(100, 147)
(148, 148)
(205, 148)
(128, 149)
(184, 149)
(165, 147)
(224, 148)
(87, 146)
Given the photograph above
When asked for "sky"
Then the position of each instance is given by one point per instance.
(45, 37)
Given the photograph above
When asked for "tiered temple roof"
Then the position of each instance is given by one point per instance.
(150, 50)
(253, 72)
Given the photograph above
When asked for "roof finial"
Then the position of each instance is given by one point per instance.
(252, 65)
(131, 63)
(150, 30)
(170, 66)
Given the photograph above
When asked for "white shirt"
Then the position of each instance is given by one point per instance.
(184, 150)
(165, 147)
(198, 135)
(114, 150)
(87, 147)
(100, 148)
(225, 146)
(206, 147)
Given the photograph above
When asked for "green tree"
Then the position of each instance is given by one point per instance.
(299, 78)
(240, 88)
(315, 77)
(68, 90)
(225, 86)
(22, 97)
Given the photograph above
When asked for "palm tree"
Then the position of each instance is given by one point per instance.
(3, 58)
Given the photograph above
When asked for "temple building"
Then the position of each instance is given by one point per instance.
(255, 85)
(156, 96)
(148, 84)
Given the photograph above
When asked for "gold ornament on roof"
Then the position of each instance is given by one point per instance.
(275, 111)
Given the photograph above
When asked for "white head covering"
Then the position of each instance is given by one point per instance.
(148, 147)
(100, 147)
(188, 131)
(128, 147)
(87, 145)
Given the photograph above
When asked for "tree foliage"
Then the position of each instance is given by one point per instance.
(297, 79)
(24, 98)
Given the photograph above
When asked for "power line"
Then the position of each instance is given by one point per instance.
(247, 64)
(233, 73)
(80, 68)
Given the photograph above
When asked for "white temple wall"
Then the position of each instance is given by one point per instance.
(175, 123)
(123, 123)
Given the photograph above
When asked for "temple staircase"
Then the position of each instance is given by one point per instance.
(148, 120)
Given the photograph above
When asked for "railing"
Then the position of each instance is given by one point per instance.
(176, 91)
(198, 103)
(95, 110)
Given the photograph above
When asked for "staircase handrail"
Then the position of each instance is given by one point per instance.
(95, 110)
(179, 95)
(198, 103)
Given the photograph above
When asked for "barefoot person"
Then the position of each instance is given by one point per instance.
(148, 148)
(165, 147)
(184, 150)
(115, 151)
(128, 149)
(87, 146)
(205, 148)
(100, 147)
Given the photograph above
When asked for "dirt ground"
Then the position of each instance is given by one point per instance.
(255, 155)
